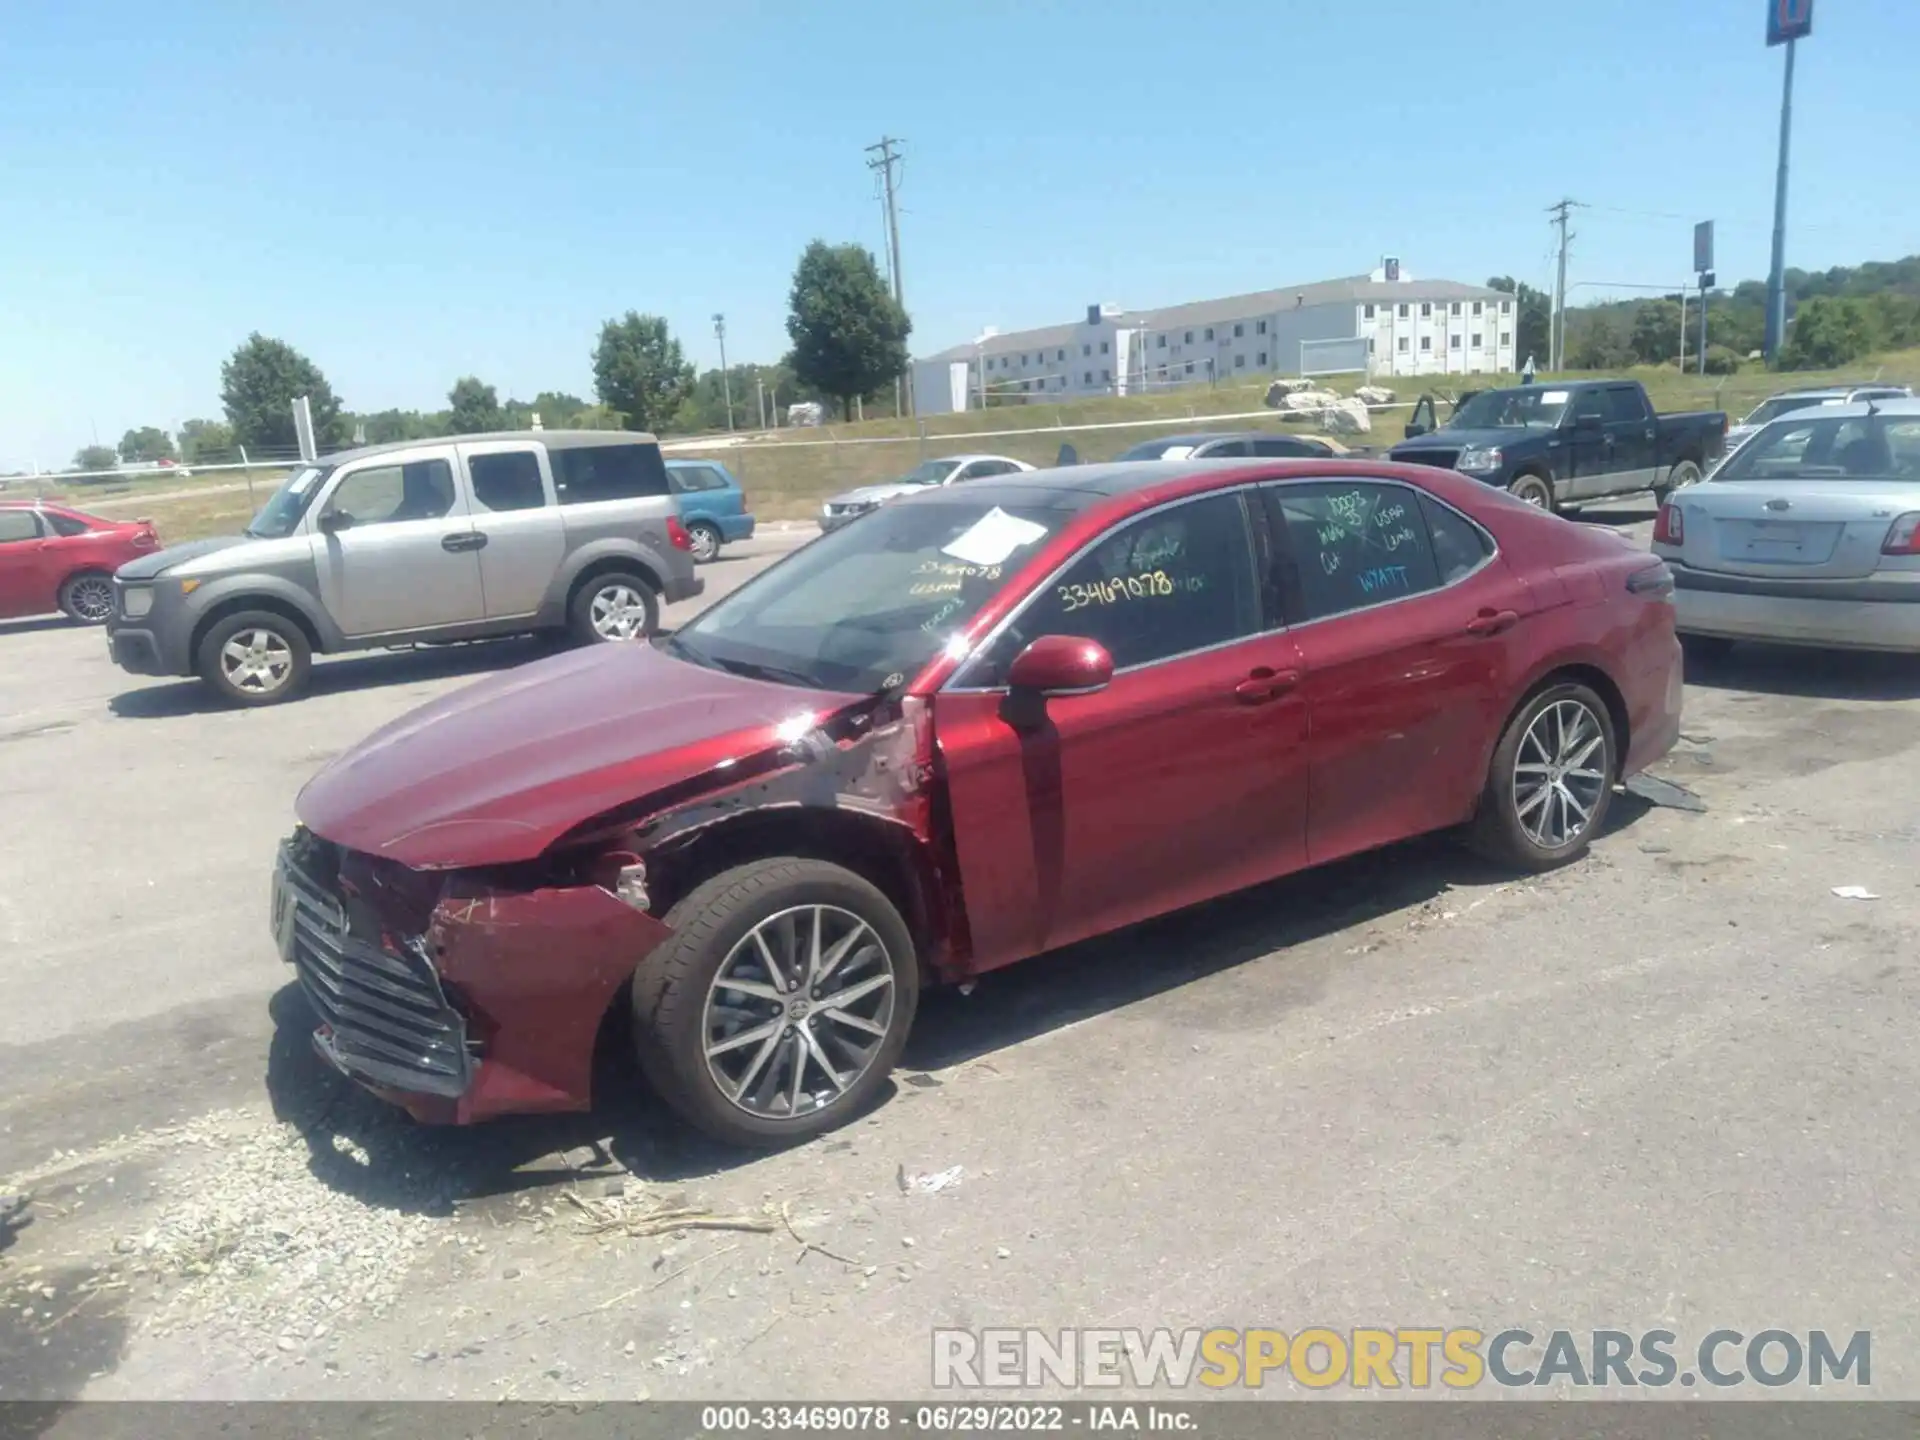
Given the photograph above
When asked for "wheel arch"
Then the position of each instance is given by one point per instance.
(1579, 670)
(607, 562)
(269, 601)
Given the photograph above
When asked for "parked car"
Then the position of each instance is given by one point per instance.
(711, 505)
(53, 558)
(1567, 443)
(414, 543)
(1217, 446)
(1788, 401)
(987, 721)
(1809, 534)
(951, 470)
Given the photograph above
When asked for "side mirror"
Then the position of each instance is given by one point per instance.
(1068, 456)
(1052, 665)
(335, 521)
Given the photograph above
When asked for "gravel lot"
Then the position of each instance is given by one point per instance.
(1667, 1086)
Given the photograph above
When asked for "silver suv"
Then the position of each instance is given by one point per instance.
(415, 543)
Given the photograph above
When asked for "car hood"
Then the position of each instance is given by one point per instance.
(1447, 439)
(494, 773)
(873, 494)
(160, 561)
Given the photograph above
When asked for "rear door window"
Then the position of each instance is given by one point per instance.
(690, 479)
(63, 524)
(507, 480)
(1226, 449)
(1460, 547)
(1283, 446)
(587, 473)
(1355, 545)
(1625, 405)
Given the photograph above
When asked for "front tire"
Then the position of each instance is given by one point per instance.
(614, 607)
(1534, 490)
(255, 657)
(706, 539)
(781, 1003)
(88, 597)
(1550, 781)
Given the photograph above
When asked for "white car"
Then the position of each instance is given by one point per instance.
(1788, 401)
(948, 470)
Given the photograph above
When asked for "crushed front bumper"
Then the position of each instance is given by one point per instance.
(456, 1001)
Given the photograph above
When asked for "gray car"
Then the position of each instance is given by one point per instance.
(850, 505)
(1788, 401)
(415, 543)
(1809, 534)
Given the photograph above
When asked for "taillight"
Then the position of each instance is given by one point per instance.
(677, 534)
(1669, 529)
(1904, 537)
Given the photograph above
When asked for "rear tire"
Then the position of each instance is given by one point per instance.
(687, 1024)
(255, 657)
(1556, 757)
(706, 540)
(88, 597)
(1535, 490)
(614, 607)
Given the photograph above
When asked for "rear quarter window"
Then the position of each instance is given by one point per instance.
(588, 473)
(65, 524)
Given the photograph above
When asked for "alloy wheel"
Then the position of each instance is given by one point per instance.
(619, 612)
(705, 542)
(798, 1011)
(91, 597)
(1559, 774)
(256, 662)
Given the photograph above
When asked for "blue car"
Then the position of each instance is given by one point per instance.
(712, 505)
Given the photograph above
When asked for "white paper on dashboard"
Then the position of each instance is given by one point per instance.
(1176, 452)
(992, 538)
(1555, 397)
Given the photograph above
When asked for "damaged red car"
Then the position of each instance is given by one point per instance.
(972, 726)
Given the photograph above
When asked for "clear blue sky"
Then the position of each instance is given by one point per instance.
(412, 192)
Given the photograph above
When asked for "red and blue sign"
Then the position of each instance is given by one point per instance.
(1788, 20)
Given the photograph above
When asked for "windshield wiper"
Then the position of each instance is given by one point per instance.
(755, 670)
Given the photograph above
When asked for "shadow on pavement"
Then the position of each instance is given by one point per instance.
(345, 675)
(364, 1147)
(1633, 514)
(1806, 672)
(38, 623)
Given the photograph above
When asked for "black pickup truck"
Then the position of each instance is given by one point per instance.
(1567, 443)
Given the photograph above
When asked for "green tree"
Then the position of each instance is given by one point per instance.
(1721, 360)
(1532, 319)
(472, 407)
(1655, 337)
(849, 337)
(385, 427)
(258, 386)
(1597, 340)
(147, 444)
(1829, 332)
(205, 442)
(640, 371)
(96, 457)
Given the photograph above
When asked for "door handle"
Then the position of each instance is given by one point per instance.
(1264, 684)
(1492, 622)
(471, 540)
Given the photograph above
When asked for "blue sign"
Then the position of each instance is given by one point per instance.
(1788, 20)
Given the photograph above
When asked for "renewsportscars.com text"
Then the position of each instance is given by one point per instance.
(1416, 1358)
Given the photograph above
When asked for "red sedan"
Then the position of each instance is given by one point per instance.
(972, 726)
(53, 558)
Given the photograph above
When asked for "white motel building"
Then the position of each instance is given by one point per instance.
(1384, 323)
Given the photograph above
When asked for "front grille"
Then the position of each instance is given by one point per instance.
(387, 1018)
(1439, 459)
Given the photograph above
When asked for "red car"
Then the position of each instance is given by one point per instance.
(53, 558)
(972, 726)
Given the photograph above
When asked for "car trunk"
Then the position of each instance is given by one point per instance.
(1812, 529)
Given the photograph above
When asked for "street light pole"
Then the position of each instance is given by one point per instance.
(1777, 276)
(726, 382)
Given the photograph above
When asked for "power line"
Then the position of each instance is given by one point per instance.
(887, 161)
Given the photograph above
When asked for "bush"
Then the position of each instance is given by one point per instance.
(1722, 361)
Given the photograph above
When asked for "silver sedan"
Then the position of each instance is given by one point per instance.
(1808, 535)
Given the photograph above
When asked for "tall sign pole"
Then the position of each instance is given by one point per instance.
(1703, 270)
(1787, 22)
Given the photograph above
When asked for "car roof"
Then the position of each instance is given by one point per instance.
(1207, 437)
(552, 439)
(1903, 405)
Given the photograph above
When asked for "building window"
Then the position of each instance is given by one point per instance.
(1369, 312)
(1189, 339)
(1061, 355)
(1506, 306)
(1426, 343)
(1453, 342)
(1476, 307)
(1454, 308)
(1239, 362)
(1103, 347)
(1261, 328)
(1506, 337)
(1209, 332)
(1189, 367)
(1106, 377)
(1239, 331)
(1426, 309)
(1403, 312)
(1369, 345)
(1161, 342)
(1085, 350)
(1087, 379)
(1476, 339)
(1023, 362)
(1402, 347)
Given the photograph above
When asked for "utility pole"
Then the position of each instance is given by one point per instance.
(1557, 341)
(1777, 275)
(726, 382)
(886, 161)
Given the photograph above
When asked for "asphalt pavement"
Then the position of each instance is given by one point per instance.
(1671, 1086)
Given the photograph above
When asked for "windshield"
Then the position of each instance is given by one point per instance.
(280, 516)
(1511, 409)
(866, 608)
(1874, 447)
(931, 472)
(1780, 405)
(1162, 449)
